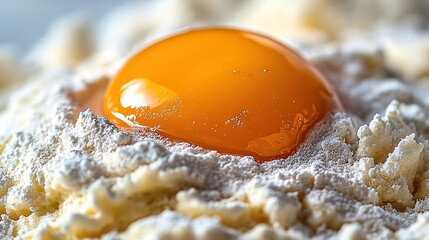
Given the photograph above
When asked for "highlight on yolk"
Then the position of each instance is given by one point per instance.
(228, 90)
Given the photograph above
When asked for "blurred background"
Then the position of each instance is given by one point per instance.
(22, 21)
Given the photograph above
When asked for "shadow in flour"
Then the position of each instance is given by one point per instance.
(91, 96)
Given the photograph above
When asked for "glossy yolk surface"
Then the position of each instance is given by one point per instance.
(228, 90)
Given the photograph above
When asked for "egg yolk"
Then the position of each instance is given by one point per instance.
(233, 91)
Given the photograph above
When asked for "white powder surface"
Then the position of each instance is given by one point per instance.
(362, 173)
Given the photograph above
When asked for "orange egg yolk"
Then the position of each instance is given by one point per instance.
(233, 91)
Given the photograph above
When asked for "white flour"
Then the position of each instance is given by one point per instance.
(66, 173)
